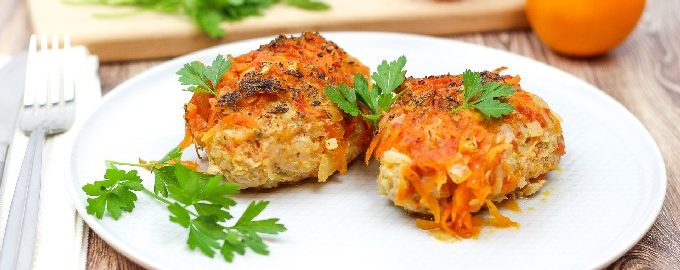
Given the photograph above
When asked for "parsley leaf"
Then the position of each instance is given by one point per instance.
(163, 173)
(163, 176)
(485, 97)
(201, 78)
(114, 194)
(192, 74)
(387, 78)
(472, 82)
(254, 209)
(344, 97)
(205, 233)
(218, 67)
(180, 215)
(389, 75)
(493, 108)
(196, 201)
(188, 186)
(495, 89)
(268, 226)
(245, 232)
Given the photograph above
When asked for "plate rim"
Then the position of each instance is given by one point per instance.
(138, 257)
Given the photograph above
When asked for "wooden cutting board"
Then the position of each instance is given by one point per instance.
(153, 35)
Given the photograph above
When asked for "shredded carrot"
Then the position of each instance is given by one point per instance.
(372, 146)
(239, 119)
(493, 153)
(426, 224)
(510, 204)
(513, 80)
(188, 139)
(497, 219)
(190, 164)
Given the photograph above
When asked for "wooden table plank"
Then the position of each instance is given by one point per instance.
(643, 74)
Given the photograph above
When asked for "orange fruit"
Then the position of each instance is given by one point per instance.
(583, 27)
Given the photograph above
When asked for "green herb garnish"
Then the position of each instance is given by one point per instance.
(485, 97)
(377, 98)
(196, 201)
(202, 78)
(308, 4)
(115, 194)
(207, 14)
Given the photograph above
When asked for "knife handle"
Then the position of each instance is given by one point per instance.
(20, 231)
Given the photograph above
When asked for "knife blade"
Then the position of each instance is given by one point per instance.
(12, 80)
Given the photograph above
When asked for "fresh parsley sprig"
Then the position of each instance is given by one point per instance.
(196, 201)
(378, 97)
(201, 78)
(485, 97)
(207, 14)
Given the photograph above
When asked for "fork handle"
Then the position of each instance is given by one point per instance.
(19, 239)
(2, 171)
(4, 148)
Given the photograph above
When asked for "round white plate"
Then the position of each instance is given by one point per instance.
(605, 196)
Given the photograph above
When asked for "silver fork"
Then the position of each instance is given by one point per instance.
(49, 108)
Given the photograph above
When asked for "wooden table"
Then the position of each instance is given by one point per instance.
(643, 74)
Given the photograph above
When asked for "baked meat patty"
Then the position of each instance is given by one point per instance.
(271, 122)
(451, 165)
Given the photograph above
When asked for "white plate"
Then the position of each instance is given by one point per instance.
(605, 197)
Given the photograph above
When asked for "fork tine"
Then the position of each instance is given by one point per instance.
(68, 91)
(54, 76)
(42, 71)
(29, 96)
